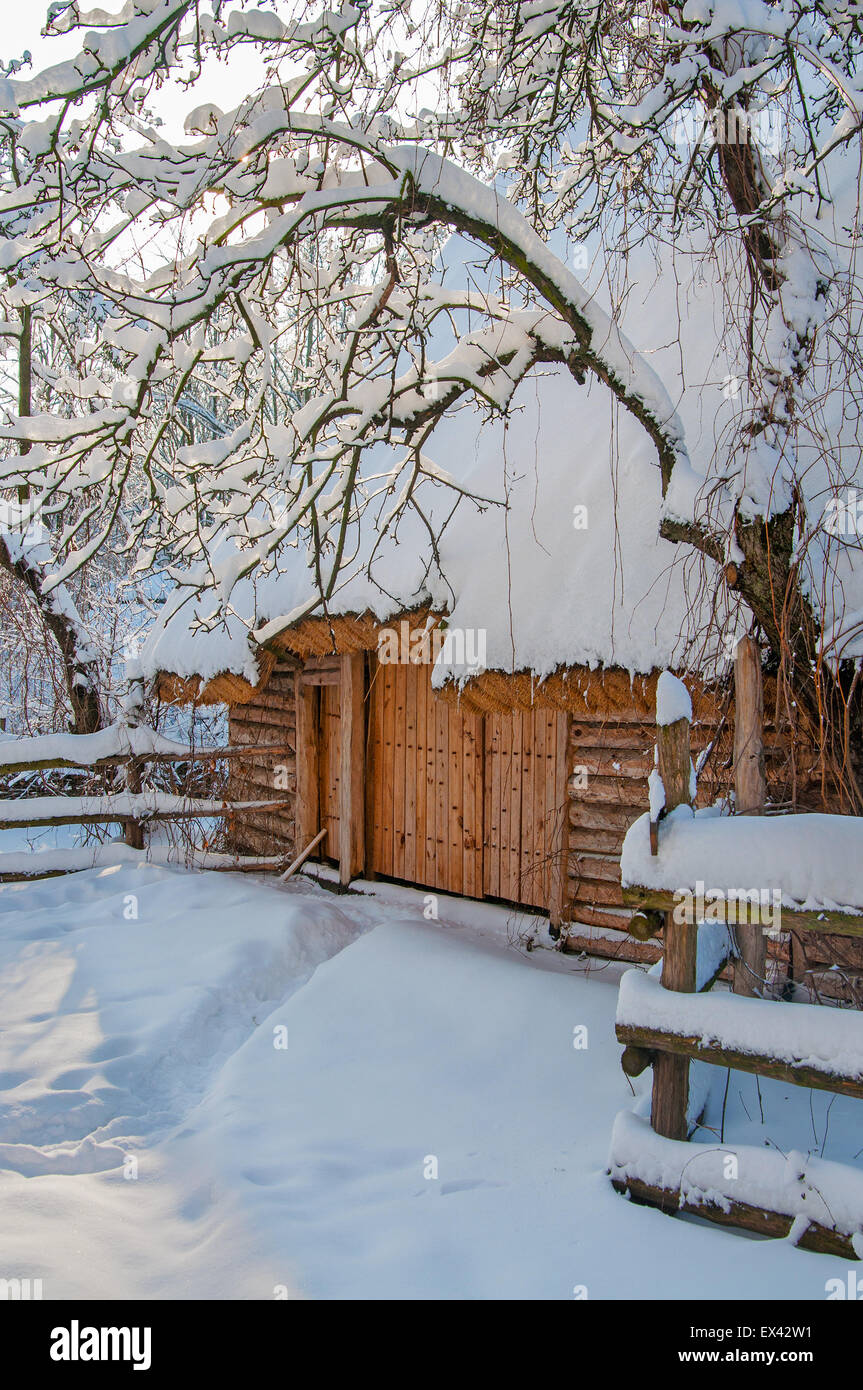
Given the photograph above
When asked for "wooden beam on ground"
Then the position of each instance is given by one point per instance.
(352, 835)
(302, 856)
(820, 1239)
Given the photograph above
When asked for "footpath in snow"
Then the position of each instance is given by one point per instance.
(212, 1087)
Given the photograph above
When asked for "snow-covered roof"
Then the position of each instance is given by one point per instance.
(562, 566)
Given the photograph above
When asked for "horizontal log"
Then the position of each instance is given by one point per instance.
(592, 816)
(249, 715)
(263, 782)
(625, 949)
(269, 699)
(597, 841)
(820, 1239)
(275, 733)
(328, 677)
(253, 717)
(246, 836)
(577, 911)
(190, 755)
(639, 738)
(839, 923)
(635, 1060)
(586, 890)
(265, 733)
(626, 715)
(611, 791)
(759, 1064)
(264, 779)
(103, 813)
(605, 868)
(267, 822)
(242, 865)
(644, 924)
(283, 678)
(612, 762)
(269, 754)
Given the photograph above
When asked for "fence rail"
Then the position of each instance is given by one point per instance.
(135, 748)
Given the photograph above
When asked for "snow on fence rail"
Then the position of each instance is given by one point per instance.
(815, 864)
(119, 745)
(112, 747)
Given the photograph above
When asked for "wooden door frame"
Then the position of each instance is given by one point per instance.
(348, 673)
(352, 790)
(357, 770)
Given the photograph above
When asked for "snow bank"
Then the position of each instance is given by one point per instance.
(816, 861)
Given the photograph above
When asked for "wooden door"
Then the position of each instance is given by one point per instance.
(524, 803)
(425, 808)
(329, 767)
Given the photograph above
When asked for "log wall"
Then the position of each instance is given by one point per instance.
(269, 717)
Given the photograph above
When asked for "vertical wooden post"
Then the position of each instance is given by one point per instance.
(750, 794)
(352, 835)
(308, 808)
(134, 835)
(372, 771)
(670, 1096)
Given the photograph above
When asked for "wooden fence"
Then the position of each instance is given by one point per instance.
(664, 1027)
(135, 749)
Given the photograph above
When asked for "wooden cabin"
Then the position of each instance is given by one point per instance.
(516, 783)
(506, 788)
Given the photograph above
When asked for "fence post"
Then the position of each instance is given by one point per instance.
(132, 707)
(671, 1074)
(750, 791)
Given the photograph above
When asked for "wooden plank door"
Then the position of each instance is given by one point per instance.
(524, 803)
(426, 805)
(329, 768)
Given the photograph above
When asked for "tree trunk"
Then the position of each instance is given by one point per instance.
(80, 671)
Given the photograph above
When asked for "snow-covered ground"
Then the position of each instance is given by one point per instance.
(213, 1087)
